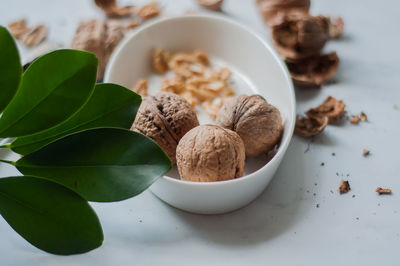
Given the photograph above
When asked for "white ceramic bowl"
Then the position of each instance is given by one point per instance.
(256, 69)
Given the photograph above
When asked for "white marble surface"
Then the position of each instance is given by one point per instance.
(283, 226)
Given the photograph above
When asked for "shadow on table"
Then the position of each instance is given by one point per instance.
(273, 213)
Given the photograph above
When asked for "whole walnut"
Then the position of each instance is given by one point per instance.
(165, 118)
(258, 123)
(210, 153)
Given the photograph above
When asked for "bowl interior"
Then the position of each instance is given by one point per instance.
(255, 66)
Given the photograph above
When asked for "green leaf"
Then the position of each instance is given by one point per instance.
(103, 164)
(49, 216)
(110, 106)
(53, 88)
(10, 68)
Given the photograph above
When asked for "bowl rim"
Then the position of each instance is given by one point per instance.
(220, 18)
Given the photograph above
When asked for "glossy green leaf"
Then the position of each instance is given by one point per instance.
(110, 106)
(103, 164)
(10, 68)
(49, 216)
(53, 88)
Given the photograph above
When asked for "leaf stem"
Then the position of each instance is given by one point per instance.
(5, 146)
(7, 161)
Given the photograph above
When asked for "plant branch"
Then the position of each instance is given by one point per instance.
(7, 161)
(5, 146)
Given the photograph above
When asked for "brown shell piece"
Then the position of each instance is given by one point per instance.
(310, 126)
(165, 117)
(141, 87)
(344, 187)
(258, 123)
(273, 11)
(29, 36)
(300, 36)
(331, 108)
(214, 5)
(210, 153)
(111, 8)
(18, 28)
(148, 11)
(313, 71)
(381, 191)
(336, 26)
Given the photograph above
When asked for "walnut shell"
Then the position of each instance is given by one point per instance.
(331, 108)
(210, 153)
(300, 36)
(165, 117)
(214, 5)
(273, 10)
(258, 123)
(309, 126)
(313, 71)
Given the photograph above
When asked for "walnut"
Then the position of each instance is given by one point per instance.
(310, 126)
(274, 10)
(300, 36)
(111, 8)
(100, 38)
(214, 5)
(210, 153)
(141, 87)
(331, 108)
(258, 123)
(313, 71)
(165, 117)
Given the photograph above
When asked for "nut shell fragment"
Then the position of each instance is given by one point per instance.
(214, 5)
(165, 117)
(111, 8)
(313, 71)
(310, 126)
(210, 153)
(336, 28)
(258, 123)
(344, 187)
(273, 10)
(331, 108)
(300, 36)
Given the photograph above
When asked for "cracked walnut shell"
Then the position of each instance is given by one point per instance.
(331, 108)
(258, 123)
(210, 153)
(310, 126)
(273, 10)
(165, 118)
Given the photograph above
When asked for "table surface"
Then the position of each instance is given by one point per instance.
(300, 219)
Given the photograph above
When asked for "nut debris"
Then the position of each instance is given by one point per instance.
(214, 5)
(313, 71)
(274, 11)
(365, 152)
(383, 190)
(309, 126)
(336, 26)
(112, 10)
(331, 107)
(141, 87)
(148, 11)
(28, 36)
(344, 187)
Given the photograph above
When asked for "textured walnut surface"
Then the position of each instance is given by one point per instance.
(210, 153)
(165, 117)
(258, 123)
